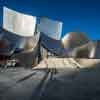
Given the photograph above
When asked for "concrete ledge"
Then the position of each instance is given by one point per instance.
(87, 63)
(72, 63)
(53, 62)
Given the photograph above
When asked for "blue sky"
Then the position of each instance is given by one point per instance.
(76, 15)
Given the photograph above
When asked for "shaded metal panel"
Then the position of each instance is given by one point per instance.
(18, 23)
(74, 45)
(53, 46)
(97, 50)
(50, 28)
(24, 43)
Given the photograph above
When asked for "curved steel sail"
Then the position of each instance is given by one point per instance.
(18, 23)
(51, 28)
(74, 39)
(18, 34)
(20, 28)
(52, 45)
(50, 34)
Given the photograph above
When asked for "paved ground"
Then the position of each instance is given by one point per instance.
(67, 82)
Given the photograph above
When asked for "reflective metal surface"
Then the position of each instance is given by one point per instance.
(20, 43)
(51, 28)
(18, 23)
(74, 39)
(53, 46)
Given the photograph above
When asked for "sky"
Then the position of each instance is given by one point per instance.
(76, 15)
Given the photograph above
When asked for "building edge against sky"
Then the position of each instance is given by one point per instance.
(52, 28)
(18, 23)
(84, 16)
(63, 33)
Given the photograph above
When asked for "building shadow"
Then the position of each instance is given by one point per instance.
(81, 84)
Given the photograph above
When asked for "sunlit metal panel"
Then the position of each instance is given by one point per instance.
(18, 23)
(74, 39)
(51, 28)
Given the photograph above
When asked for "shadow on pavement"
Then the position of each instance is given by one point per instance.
(83, 84)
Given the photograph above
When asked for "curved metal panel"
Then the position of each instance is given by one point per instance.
(51, 28)
(53, 46)
(18, 23)
(74, 39)
(19, 42)
(68, 47)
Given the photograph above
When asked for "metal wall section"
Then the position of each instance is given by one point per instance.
(97, 50)
(51, 28)
(21, 42)
(52, 45)
(18, 23)
(74, 39)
